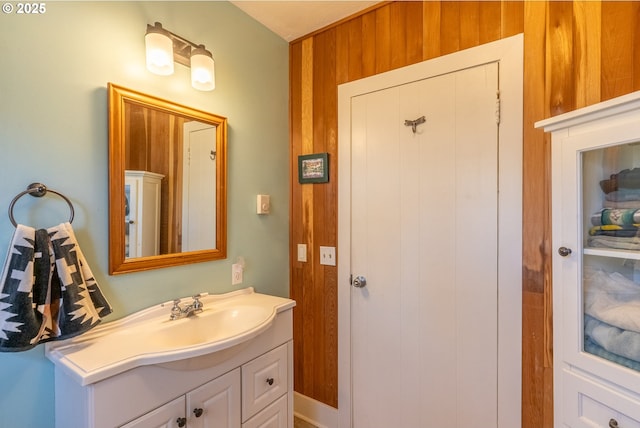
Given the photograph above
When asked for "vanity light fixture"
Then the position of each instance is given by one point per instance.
(202, 69)
(163, 48)
(159, 48)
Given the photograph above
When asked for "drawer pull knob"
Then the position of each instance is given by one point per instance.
(270, 381)
(181, 422)
(198, 412)
(613, 423)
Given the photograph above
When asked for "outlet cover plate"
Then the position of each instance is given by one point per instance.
(236, 274)
(328, 256)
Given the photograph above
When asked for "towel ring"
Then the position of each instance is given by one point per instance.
(37, 190)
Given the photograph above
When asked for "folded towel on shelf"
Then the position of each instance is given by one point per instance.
(603, 241)
(611, 298)
(613, 339)
(620, 217)
(595, 349)
(623, 195)
(48, 291)
(634, 204)
(627, 231)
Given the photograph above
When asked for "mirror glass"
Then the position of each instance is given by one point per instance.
(167, 183)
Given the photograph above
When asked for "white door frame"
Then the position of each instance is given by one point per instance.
(509, 53)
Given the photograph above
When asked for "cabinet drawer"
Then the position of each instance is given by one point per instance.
(274, 416)
(587, 403)
(263, 380)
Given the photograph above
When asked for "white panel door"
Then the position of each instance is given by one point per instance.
(199, 184)
(424, 234)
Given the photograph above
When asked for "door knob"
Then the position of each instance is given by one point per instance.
(564, 251)
(359, 281)
(181, 422)
(198, 412)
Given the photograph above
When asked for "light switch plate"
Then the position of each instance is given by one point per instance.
(263, 204)
(328, 256)
(302, 252)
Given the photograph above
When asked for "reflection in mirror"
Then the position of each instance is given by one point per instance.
(167, 183)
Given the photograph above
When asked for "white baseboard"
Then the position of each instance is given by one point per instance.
(314, 412)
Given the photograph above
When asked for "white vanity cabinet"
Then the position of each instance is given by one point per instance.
(240, 380)
(596, 264)
(262, 404)
(143, 195)
(214, 404)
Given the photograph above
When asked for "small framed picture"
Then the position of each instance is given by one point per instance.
(313, 168)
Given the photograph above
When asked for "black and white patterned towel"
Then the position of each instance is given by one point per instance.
(48, 291)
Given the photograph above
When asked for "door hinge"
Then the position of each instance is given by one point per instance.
(497, 107)
(350, 279)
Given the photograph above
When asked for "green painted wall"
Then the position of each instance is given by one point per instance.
(54, 69)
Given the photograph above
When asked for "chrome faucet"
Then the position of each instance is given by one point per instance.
(178, 311)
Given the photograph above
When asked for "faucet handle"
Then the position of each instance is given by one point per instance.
(197, 304)
(176, 310)
(199, 295)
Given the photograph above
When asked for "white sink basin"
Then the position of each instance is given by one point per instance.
(211, 325)
(149, 337)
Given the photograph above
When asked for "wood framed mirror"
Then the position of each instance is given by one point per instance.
(167, 183)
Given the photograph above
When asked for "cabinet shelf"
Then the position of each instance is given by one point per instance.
(610, 252)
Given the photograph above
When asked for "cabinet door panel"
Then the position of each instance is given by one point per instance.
(216, 403)
(142, 215)
(163, 417)
(600, 277)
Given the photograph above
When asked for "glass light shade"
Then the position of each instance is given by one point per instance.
(203, 75)
(159, 49)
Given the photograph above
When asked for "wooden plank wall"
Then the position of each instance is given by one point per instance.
(576, 53)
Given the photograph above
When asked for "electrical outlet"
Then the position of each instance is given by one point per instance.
(236, 274)
(328, 256)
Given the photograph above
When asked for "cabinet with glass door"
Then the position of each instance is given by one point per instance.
(596, 264)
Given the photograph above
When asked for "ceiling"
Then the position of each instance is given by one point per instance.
(296, 18)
